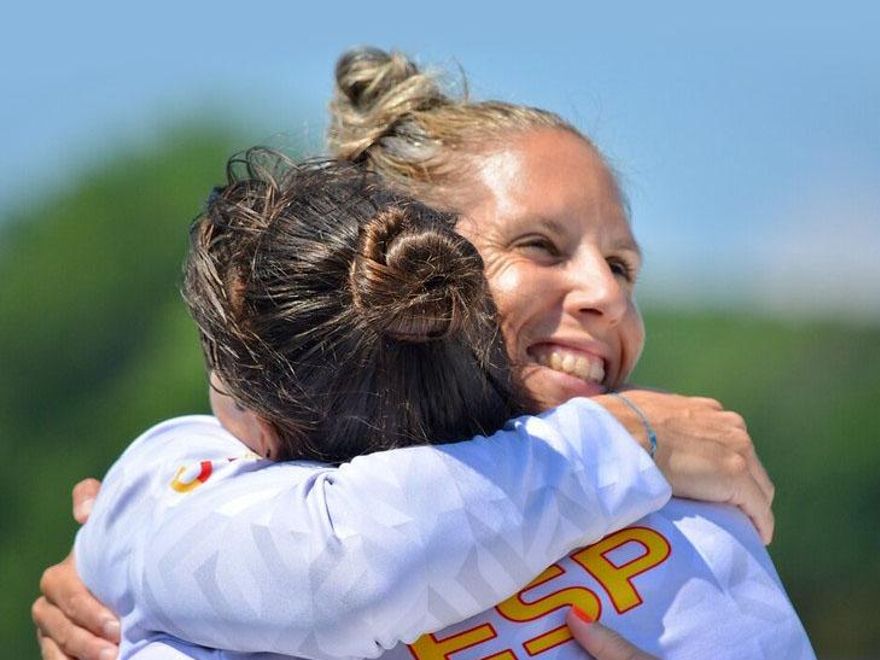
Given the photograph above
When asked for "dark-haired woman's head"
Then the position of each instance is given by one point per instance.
(348, 318)
(534, 196)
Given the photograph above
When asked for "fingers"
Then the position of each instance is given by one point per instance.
(732, 419)
(70, 622)
(60, 638)
(601, 642)
(751, 487)
(738, 439)
(712, 472)
(65, 591)
(726, 477)
(84, 494)
(760, 475)
(739, 470)
(741, 443)
(49, 650)
(749, 496)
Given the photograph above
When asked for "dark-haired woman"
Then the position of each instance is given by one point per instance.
(523, 181)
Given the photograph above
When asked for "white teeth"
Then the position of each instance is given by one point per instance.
(585, 367)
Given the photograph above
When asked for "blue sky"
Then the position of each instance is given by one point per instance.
(746, 135)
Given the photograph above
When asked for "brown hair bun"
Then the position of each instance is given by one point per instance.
(413, 276)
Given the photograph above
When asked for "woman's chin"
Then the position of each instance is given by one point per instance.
(551, 388)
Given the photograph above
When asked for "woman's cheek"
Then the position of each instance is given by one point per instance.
(513, 296)
(503, 274)
(633, 342)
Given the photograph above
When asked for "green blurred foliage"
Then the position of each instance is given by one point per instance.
(95, 346)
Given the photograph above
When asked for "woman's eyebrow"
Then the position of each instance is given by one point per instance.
(629, 245)
(531, 222)
(550, 224)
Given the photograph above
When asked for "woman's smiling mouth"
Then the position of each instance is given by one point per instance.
(583, 365)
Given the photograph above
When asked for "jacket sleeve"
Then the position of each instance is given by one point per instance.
(322, 562)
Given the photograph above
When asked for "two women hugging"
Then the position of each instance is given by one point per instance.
(355, 338)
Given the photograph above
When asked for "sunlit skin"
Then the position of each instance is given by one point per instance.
(547, 217)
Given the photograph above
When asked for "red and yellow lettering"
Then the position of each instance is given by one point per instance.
(518, 610)
(617, 580)
(428, 647)
(548, 640)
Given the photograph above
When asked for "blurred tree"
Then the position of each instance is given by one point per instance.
(95, 345)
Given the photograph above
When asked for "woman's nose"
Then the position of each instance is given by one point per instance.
(597, 291)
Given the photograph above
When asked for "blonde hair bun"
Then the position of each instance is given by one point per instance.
(375, 91)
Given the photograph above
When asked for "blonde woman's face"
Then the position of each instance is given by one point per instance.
(547, 218)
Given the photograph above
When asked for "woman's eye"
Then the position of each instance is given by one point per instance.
(538, 245)
(622, 268)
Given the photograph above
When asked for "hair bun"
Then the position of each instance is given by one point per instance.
(414, 277)
(375, 90)
(366, 74)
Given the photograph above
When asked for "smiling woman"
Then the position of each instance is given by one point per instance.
(547, 218)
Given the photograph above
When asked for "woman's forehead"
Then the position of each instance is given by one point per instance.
(549, 160)
(548, 176)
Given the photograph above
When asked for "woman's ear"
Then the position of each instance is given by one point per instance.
(270, 443)
(258, 434)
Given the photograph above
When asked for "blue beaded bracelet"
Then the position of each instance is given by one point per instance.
(652, 437)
